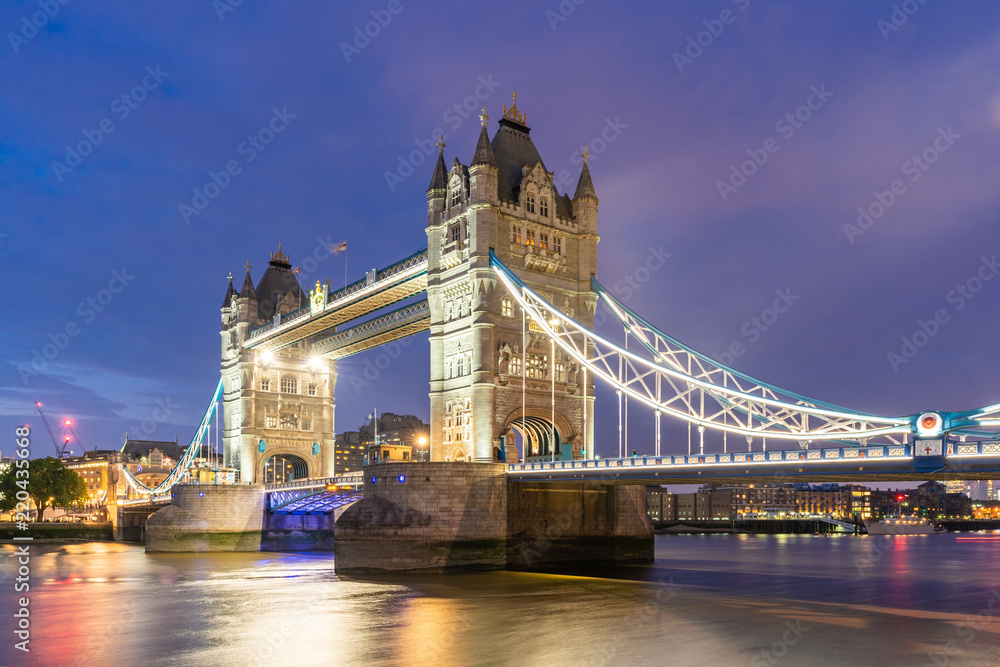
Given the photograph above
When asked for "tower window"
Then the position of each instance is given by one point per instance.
(529, 237)
(543, 207)
(543, 241)
(529, 203)
(506, 308)
(557, 243)
(289, 385)
(454, 234)
(516, 235)
(456, 196)
(289, 420)
(265, 384)
(311, 390)
(271, 421)
(305, 424)
(515, 365)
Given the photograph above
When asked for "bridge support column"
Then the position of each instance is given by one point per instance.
(208, 518)
(440, 517)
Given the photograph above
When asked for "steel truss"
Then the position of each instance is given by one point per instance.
(674, 379)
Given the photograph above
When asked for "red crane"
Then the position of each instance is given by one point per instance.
(61, 447)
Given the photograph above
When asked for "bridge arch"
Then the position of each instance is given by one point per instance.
(537, 434)
(283, 467)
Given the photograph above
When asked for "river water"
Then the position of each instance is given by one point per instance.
(707, 600)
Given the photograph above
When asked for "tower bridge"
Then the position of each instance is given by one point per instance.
(507, 289)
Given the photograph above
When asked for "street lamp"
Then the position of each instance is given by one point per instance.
(422, 441)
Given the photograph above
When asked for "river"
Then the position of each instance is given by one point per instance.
(707, 600)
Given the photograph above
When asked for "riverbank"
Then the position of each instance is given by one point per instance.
(58, 532)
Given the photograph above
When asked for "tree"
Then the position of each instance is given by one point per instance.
(46, 481)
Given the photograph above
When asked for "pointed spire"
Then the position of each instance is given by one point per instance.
(230, 293)
(248, 290)
(585, 186)
(484, 152)
(439, 181)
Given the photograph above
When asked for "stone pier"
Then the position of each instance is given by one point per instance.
(441, 517)
(208, 518)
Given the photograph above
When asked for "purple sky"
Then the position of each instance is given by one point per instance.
(64, 233)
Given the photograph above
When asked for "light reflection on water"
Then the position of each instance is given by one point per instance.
(855, 599)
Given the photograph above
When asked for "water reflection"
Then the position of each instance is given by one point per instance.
(709, 599)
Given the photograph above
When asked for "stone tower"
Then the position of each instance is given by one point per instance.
(481, 356)
(278, 407)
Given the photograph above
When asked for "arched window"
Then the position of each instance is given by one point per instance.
(515, 236)
(265, 384)
(456, 195)
(543, 207)
(529, 203)
(506, 308)
(529, 237)
(289, 385)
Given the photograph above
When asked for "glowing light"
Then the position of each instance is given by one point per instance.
(267, 357)
(316, 363)
(402, 478)
(422, 441)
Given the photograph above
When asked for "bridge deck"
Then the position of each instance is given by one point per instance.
(884, 462)
(394, 283)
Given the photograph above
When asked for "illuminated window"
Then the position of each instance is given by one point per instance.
(289, 385)
(530, 203)
(311, 390)
(560, 371)
(543, 207)
(515, 365)
(289, 420)
(515, 234)
(271, 421)
(265, 384)
(543, 241)
(506, 308)
(537, 365)
(529, 237)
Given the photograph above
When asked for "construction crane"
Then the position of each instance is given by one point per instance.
(61, 447)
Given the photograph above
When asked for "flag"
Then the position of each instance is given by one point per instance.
(297, 269)
(339, 248)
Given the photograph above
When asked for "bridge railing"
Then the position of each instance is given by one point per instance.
(347, 478)
(744, 458)
(397, 318)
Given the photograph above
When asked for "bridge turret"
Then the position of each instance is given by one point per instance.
(438, 189)
(585, 201)
(484, 171)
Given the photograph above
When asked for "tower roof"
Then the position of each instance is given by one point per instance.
(248, 290)
(484, 152)
(439, 180)
(230, 293)
(585, 186)
(277, 281)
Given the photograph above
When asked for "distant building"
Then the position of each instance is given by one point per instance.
(655, 496)
(399, 439)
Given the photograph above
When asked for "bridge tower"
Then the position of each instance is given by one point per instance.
(506, 200)
(278, 407)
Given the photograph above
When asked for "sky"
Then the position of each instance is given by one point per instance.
(838, 158)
